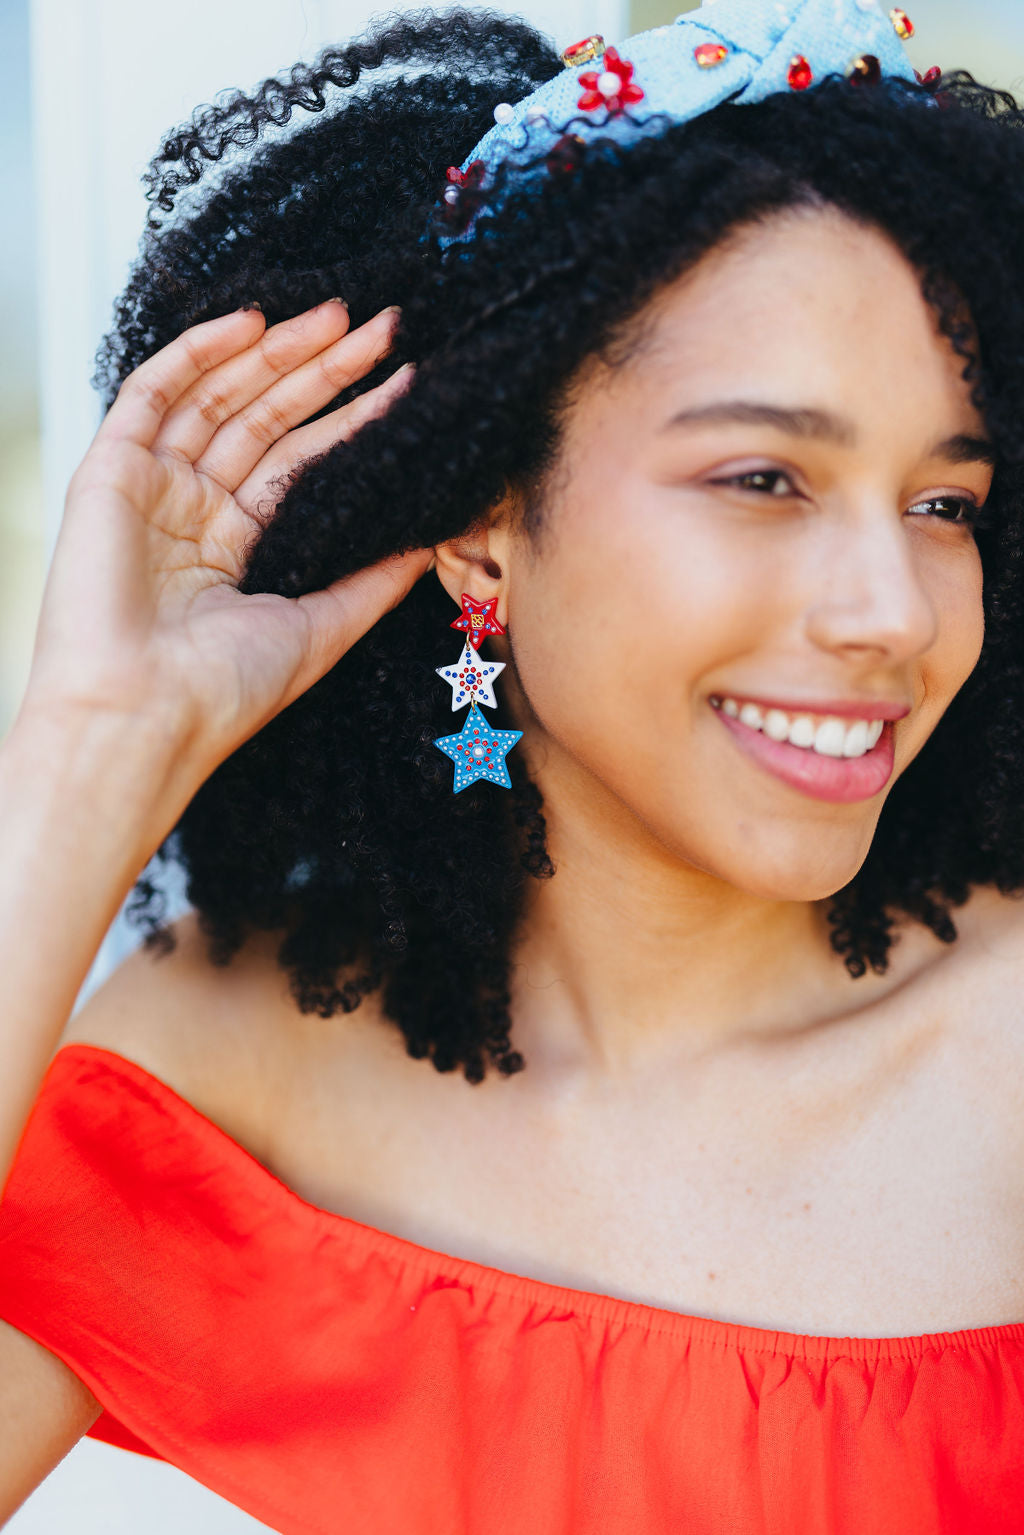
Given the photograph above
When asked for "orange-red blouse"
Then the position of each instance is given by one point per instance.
(329, 1377)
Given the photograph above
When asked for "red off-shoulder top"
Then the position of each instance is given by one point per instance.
(328, 1377)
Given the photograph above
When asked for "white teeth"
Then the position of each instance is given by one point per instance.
(832, 737)
(856, 743)
(829, 738)
(776, 725)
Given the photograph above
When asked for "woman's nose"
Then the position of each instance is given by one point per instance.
(872, 596)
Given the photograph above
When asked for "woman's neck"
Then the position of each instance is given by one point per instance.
(629, 958)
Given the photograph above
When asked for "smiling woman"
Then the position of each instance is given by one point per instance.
(698, 1045)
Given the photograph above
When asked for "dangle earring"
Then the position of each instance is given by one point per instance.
(477, 750)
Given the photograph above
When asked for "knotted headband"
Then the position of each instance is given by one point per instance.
(728, 50)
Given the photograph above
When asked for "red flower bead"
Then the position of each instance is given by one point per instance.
(593, 97)
(800, 73)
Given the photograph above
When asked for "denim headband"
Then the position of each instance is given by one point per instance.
(728, 50)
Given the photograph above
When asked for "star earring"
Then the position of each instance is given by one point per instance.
(477, 750)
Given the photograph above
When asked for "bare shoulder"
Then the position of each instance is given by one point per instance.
(982, 986)
(991, 935)
(216, 1034)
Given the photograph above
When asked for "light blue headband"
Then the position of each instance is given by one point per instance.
(738, 50)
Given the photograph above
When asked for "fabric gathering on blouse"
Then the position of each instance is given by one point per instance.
(326, 1376)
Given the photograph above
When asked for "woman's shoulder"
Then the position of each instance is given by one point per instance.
(216, 1034)
(974, 990)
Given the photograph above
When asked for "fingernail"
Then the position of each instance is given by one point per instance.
(337, 300)
(392, 309)
(253, 304)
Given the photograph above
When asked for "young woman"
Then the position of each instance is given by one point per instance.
(636, 1146)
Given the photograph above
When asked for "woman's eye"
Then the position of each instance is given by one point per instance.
(770, 482)
(956, 509)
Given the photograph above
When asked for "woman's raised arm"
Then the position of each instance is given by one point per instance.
(150, 667)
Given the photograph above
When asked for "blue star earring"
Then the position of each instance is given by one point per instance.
(477, 750)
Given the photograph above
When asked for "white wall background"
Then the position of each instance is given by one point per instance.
(109, 78)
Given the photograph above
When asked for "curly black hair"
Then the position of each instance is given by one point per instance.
(336, 826)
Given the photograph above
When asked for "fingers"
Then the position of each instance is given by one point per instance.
(343, 612)
(156, 385)
(236, 449)
(222, 392)
(311, 441)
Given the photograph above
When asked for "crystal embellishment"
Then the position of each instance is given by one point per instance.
(708, 55)
(866, 70)
(583, 52)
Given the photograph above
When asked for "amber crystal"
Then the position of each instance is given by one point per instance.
(800, 73)
(710, 54)
(866, 70)
(902, 22)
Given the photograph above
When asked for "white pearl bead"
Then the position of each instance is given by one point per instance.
(504, 113)
(609, 83)
(451, 195)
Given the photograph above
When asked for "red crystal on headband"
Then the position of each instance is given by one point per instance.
(930, 79)
(565, 155)
(477, 620)
(710, 54)
(612, 88)
(800, 73)
(470, 177)
(902, 23)
(581, 53)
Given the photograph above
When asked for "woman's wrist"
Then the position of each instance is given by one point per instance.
(91, 779)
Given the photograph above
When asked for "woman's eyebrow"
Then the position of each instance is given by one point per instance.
(965, 449)
(797, 421)
(810, 422)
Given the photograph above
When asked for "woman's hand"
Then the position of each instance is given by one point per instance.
(141, 615)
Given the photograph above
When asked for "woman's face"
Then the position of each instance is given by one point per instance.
(763, 510)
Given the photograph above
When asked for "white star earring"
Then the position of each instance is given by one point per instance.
(471, 679)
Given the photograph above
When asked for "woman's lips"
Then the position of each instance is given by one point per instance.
(840, 780)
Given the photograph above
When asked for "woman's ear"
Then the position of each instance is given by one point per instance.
(476, 562)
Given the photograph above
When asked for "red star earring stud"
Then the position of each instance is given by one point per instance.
(477, 620)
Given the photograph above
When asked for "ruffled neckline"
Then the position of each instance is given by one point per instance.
(612, 1311)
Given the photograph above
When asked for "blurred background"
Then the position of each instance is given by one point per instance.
(90, 86)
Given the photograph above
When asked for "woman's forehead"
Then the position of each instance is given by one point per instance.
(808, 302)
